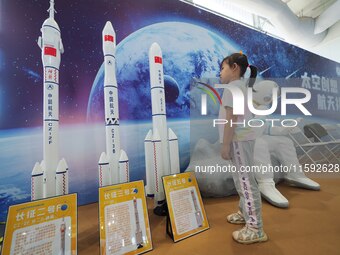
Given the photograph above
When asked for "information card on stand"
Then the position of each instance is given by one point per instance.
(47, 226)
(123, 219)
(186, 210)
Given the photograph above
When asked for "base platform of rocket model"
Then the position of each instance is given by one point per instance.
(161, 143)
(113, 165)
(50, 177)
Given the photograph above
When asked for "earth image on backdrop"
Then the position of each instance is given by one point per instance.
(188, 51)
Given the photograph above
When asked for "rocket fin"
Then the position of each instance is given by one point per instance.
(40, 42)
(61, 47)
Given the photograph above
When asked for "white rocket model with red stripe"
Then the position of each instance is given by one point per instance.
(50, 177)
(161, 143)
(113, 166)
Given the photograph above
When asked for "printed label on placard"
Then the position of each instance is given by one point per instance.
(47, 226)
(124, 222)
(186, 210)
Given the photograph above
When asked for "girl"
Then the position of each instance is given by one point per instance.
(238, 145)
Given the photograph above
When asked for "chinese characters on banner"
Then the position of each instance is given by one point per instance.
(186, 210)
(327, 91)
(51, 113)
(47, 226)
(123, 219)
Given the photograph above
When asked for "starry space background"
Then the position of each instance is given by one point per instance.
(81, 23)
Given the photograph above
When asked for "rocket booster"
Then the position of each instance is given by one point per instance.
(37, 180)
(113, 166)
(51, 49)
(161, 143)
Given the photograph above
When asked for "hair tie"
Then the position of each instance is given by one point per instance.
(248, 65)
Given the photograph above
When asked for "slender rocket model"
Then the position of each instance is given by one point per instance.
(198, 213)
(50, 177)
(139, 234)
(161, 143)
(113, 166)
(62, 237)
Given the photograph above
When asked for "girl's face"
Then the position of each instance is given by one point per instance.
(228, 73)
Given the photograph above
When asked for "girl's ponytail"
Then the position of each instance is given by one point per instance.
(253, 74)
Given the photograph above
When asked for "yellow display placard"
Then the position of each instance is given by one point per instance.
(47, 226)
(123, 219)
(186, 210)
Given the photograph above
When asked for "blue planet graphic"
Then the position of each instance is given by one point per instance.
(171, 89)
(188, 51)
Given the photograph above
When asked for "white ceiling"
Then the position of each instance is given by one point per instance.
(313, 25)
(308, 8)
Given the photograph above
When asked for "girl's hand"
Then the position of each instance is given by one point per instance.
(225, 151)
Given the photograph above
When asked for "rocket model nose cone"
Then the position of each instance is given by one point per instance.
(43, 165)
(64, 163)
(60, 167)
(155, 49)
(103, 158)
(123, 156)
(148, 136)
(108, 28)
(37, 169)
(109, 39)
(172, 134)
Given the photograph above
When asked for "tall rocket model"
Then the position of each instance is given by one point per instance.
(138, 234)
(198, 213)
(50, 177)
(62, 237)
(113, 166)
(161, 143)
